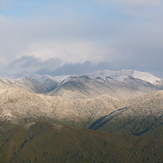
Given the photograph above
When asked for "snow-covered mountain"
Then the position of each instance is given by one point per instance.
(119, 84)
(101, 100)
(142, 115)
(122, 74)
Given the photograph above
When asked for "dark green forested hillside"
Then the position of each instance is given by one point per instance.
(42, 142)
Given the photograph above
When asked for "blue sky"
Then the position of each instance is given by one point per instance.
(122, 34)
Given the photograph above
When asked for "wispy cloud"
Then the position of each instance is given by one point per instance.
(63, 41)
(72, 51)
(27, 65)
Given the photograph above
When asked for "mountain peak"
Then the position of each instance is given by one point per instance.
(125, 73)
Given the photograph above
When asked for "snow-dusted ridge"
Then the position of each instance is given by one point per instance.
(120, 84)
(122, 74)
(118, 75)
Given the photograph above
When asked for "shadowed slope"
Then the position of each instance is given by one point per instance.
(142, 117)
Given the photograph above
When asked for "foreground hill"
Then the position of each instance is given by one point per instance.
(46, 143)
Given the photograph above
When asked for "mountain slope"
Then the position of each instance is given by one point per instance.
(134, 116)
(5, 84)
(143, 117)
(30, 85)
(17, 104)
(36, 127)
(122, 74)
(141, 84)
(120, 84)
(45, 143)
(90, 88)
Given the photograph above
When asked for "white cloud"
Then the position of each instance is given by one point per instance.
(45, 39)
(128, 41)
(71, 51)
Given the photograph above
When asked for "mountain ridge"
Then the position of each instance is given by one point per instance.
(79, 99)
(119, 84)
(17, 104)
(87, 119)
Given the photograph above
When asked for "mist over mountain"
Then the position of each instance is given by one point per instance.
(31, 64)
(52, 66)
(56, 67)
